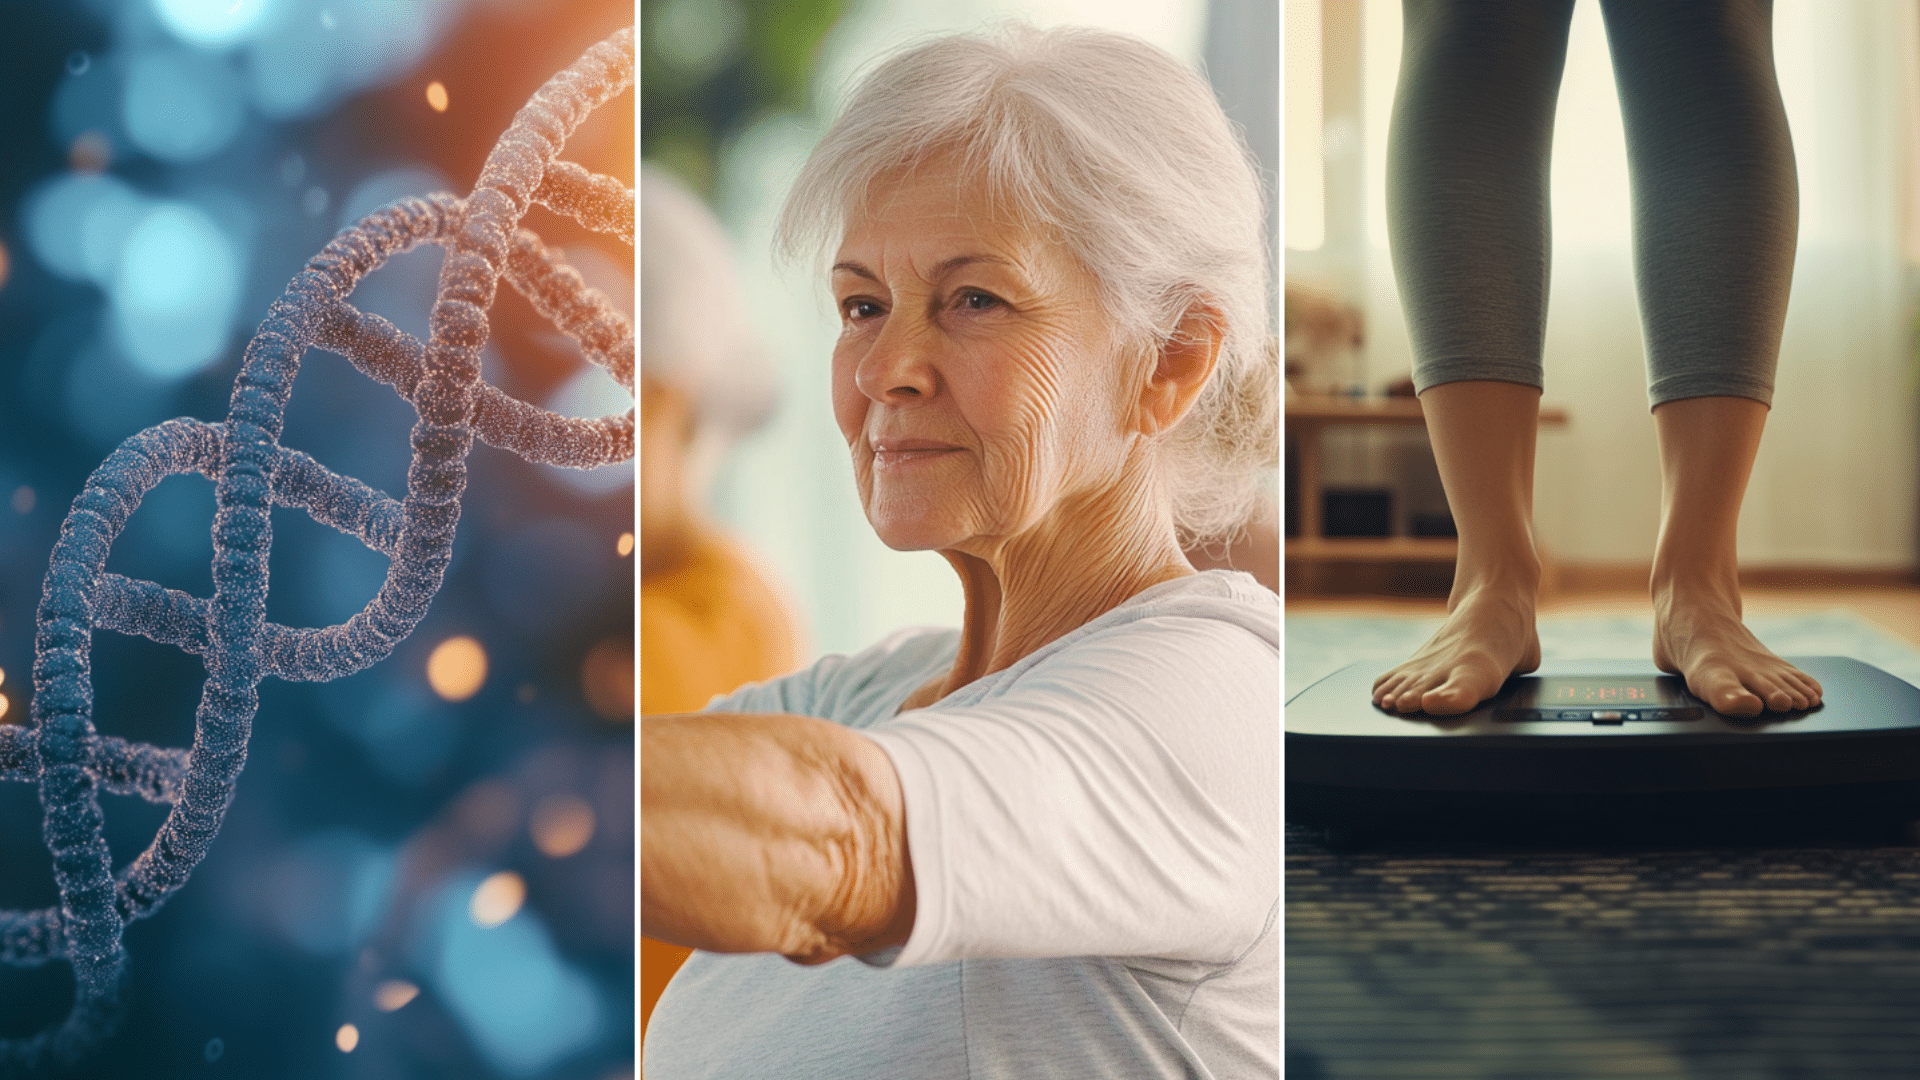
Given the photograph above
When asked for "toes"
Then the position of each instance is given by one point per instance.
(1806, 693)
(1725, 694)
(1450, 699)
(1811, 687)
(1388, 690)
(1384, 694)
(1793, 691)
(1409, 693)
(1737, 701)
(1466, 687)
(1409, 699)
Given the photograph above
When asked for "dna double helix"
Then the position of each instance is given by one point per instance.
(60, 749)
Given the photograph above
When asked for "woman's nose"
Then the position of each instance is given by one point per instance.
(898, 367)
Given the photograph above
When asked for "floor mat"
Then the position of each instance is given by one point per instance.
(1761, 959)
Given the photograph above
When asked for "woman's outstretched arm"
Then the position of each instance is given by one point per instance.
(771, 833)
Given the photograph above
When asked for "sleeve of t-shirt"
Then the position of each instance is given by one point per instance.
(1119, 799)
(848, 689)
(793, 693)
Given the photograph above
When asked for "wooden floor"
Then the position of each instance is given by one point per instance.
(1894, 608)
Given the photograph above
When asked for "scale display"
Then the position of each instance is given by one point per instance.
(1598, 699)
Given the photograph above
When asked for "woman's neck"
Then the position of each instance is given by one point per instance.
(1088, 557)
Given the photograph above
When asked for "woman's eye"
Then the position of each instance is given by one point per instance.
(975, 300)
(856, 309)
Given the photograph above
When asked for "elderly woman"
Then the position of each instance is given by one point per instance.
(1046, 843)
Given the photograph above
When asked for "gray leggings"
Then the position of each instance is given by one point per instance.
(1715, 198)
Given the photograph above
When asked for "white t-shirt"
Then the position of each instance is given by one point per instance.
(1095, 842)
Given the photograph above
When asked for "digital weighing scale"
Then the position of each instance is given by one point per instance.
(1601, 742)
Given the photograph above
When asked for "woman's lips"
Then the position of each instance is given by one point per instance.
(894, 454)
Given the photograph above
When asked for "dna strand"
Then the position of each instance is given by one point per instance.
(252, 472)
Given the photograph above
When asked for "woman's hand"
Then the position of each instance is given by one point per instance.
(771, 833)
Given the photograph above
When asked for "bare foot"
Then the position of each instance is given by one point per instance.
(1489, 635)
(1698, 633)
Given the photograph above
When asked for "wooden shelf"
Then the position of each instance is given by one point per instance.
(1372, 549)
(1308, 417)
(1316, 411)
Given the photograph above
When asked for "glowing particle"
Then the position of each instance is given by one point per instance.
(457, 668)
(346, 1038)
(78, 62)
(23, 499)
(437, 96)
(90, 153)
(3, 706)
(394, 994)
(315, 201)
(3, 676)
(497, 899)
(327, 21)
(562, 825)
(214, 1048)
(606, 679)
(211, 24)
(176, 290)
(624, 545)
(5, 266)
(181, 105)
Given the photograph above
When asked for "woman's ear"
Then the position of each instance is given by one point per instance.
(1182, 365)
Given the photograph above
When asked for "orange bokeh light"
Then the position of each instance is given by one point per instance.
(606, 679)
(562, 825)
(394, 994)
(457, 668)
(497, 899)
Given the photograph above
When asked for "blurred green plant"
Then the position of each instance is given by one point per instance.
(710, 69)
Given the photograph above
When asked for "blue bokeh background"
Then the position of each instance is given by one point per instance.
(165, 167)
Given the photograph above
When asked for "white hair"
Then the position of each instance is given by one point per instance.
(1123, 152)
(694, 333)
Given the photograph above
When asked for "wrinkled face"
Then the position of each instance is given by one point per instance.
(977, 380)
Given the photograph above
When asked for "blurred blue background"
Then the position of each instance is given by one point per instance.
(428, 868)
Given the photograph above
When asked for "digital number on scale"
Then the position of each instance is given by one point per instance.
(1572, 694)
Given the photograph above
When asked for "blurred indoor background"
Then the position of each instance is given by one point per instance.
(1835, 493)
(734, 94)
(428, 868)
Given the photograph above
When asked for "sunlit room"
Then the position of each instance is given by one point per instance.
(1744, 951)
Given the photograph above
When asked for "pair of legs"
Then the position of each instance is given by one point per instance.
(1715, 215)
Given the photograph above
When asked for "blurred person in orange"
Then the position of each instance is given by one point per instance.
(711, 617)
